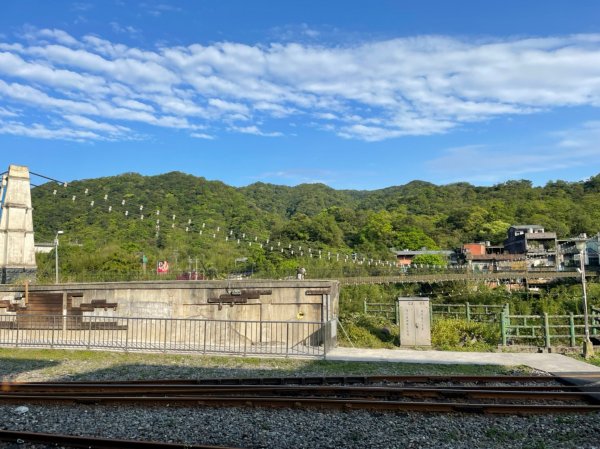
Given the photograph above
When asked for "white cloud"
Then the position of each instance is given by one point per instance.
(59, 36)
(295, 32)
(7, 112)
(158, 9)
(31, 96)
(255, 131)
(81, 6)
(132, 104)
(84, 122)
(370, 91)
(14, 66)
(125, 29)
(202, 136)
(40, 131)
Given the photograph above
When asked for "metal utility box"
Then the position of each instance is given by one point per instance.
(414, 322)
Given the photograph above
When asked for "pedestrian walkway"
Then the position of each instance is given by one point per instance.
(551, 363)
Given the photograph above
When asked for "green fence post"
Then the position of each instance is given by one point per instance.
(507, 309)
(503, 322)
(397, 310)
(572, 329)
(546, 330)
(365, 305)
(468, 312)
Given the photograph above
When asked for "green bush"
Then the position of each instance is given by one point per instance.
(455, 334)
(365, 331)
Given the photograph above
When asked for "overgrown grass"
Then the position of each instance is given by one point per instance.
(367, 331)
(463, 335)
(41, 365)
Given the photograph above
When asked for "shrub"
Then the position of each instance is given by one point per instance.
(455, 334)
(367, 331)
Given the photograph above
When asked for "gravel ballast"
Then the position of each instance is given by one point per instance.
(286, 428)
(267, 428)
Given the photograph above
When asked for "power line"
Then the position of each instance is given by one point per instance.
(48, 178)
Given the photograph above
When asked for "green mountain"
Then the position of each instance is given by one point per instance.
(200, 221)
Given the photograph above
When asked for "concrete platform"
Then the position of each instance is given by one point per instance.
(551, 363)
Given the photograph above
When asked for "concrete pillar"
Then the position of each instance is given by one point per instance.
(17, 248)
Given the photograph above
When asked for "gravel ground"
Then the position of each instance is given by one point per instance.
(268, 428)
(263, 428)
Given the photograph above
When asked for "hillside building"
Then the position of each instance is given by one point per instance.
(482, 256)
(533, 242)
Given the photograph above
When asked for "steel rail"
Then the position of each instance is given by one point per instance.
(179, 389)
(317, 380)
(188, 394)
(341, 404)
(94, 442)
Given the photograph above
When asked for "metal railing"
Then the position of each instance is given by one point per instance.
(481, 313)
(546, 330)
(280, 338)
(387, 310)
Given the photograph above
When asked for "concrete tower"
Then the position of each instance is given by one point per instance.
(17, 249)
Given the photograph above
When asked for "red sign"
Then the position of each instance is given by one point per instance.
(162, 267)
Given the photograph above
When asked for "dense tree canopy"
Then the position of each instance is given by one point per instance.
(104, 230)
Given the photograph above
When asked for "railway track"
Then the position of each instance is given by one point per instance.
(509, 395)
(316, 380)
(474, 394)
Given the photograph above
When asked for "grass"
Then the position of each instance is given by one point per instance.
(368, 331)
(593, 361)
(52, 364)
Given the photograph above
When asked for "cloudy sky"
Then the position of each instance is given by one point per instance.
(353, 94)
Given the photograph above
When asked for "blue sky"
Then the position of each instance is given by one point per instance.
(357, 95)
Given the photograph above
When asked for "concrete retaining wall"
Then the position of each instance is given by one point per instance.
(245, 317)
(259, 300)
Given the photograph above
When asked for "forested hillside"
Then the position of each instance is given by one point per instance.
(104, 230)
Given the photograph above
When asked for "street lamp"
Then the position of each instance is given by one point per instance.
(588, 347)
(56, 255)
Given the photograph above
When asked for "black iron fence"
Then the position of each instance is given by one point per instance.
(279, 338)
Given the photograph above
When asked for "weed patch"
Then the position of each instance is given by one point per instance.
(462, 335)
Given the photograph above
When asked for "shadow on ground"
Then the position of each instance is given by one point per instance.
(71, 365)
(12, 367)
(286, 368)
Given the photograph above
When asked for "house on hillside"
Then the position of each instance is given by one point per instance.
(533, 242)
(569, 256)
(482, 256)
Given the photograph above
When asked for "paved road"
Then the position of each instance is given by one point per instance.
(552, 363)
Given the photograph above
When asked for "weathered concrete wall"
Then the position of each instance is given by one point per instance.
(268, 317)
(265, 300)
(17, 248)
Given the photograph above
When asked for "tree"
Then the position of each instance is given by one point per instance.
(495, 231)
(413, 239)
(429, 259)
(378, 228)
